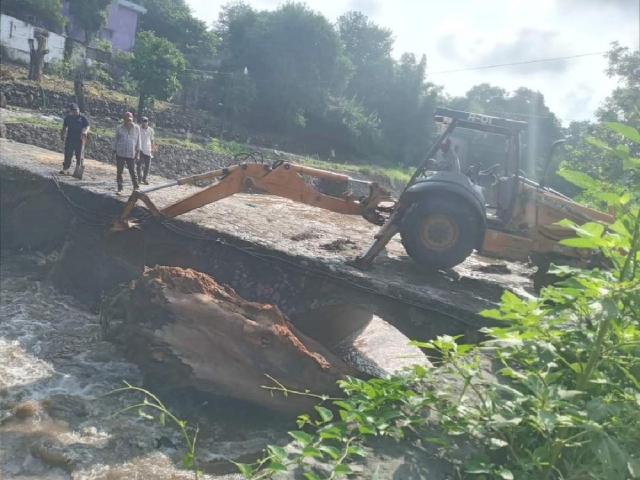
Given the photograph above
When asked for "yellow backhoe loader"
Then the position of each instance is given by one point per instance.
(442, 217)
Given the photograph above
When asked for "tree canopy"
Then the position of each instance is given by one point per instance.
(91, 15)
(341, 87)
(523, 104)
(155, 65)
(174, 21)
(585, 140)
(336, 86)
(294, 56)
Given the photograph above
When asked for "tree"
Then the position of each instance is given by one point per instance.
(623, 103)
(295, 56)
(49, 12)
(369, 48)
(406, 111)
(240, 92)
(174, 20)
(90, 15)
(155, 65)
(395, 92)
(585, 140)
(523, 104)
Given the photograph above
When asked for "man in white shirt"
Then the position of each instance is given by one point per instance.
(126, 147)
(446, 159)
(147, 147)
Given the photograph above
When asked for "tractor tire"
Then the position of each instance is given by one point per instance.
(440, 232)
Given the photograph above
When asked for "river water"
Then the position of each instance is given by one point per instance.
(57, 418)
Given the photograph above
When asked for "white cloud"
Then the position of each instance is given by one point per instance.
(468, 33)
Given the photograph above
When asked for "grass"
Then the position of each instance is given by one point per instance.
(397, 177)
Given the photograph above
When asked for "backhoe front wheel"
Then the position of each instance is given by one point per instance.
(440, 232)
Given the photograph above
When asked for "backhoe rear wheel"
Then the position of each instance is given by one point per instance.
(440, 232)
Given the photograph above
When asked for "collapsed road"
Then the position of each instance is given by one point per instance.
(270, 250)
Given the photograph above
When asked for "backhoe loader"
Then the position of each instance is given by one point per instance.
(442, 217)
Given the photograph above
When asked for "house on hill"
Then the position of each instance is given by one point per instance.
(121, 26)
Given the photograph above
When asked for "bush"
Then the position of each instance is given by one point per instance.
(104, 46)
(565, 403)
(59, 68)
(225, 148)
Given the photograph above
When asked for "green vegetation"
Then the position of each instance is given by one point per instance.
(104, 46)
(155, 65)
(151, 408)
(396, 176)
(91, 16)
(588, 144)
(333, 89)
(562, 399)
(565, 403)
(173, 20)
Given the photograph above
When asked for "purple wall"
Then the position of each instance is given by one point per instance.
(120, 30)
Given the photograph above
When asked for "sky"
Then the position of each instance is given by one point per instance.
(459, 34)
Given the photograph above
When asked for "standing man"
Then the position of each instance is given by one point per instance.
(147, 147)
(126, 148)
(76, 126)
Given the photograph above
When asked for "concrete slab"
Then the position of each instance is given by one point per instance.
(303, 235)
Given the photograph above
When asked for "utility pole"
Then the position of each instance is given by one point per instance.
(226, 104)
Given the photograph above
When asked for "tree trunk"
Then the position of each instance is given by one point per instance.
(141, 105)
(36, 56)
(78, 86)
(185, 97)
(180, 326)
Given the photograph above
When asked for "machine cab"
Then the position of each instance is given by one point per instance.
(499, 181)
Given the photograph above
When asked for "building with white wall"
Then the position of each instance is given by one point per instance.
(15, 35)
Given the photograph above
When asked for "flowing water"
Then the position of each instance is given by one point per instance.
(57, 418)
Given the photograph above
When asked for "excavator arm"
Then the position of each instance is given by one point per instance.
(284, 180)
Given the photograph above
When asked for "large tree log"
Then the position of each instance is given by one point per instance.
(182, 327)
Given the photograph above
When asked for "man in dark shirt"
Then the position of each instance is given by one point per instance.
(76, 126)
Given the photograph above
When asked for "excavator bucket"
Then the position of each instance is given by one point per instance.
(78, 172)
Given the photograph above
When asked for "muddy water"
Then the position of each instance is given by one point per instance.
(57, 420)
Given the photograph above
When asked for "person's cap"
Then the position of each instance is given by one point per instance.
(73, 106)
(128, 115)
(145, 119)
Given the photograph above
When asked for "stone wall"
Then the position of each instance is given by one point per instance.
(55, 102)
(170, 161)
